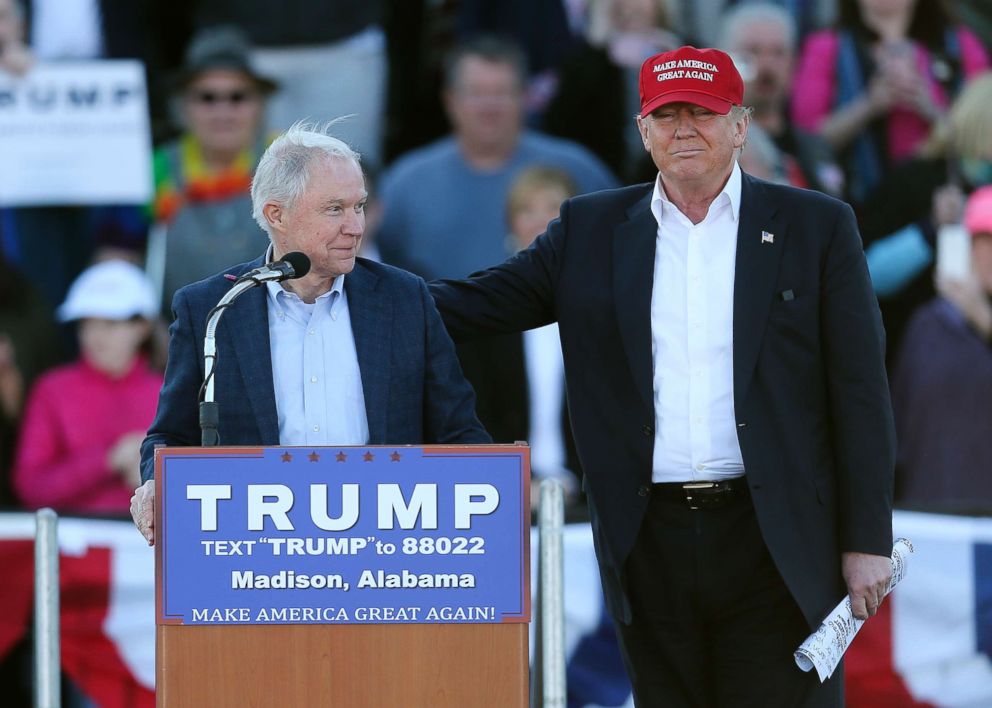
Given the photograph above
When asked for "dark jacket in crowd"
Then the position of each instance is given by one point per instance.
(595, 106)
(291, 22)
(904, 198)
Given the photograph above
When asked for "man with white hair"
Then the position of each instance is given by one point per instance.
(762, 37)
(353, 353)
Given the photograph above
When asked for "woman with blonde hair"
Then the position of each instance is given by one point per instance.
(899, 221)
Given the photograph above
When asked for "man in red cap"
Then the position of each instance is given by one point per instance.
(726, 385)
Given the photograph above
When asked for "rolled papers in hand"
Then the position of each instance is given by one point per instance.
(825, 647)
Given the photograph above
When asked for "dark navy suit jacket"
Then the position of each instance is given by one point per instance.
(414, 389)
(811, 399)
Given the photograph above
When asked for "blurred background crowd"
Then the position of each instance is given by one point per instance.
(475, 119)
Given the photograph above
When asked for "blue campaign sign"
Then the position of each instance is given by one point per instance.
(343, 535)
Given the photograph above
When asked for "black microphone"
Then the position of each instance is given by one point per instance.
(293, 265)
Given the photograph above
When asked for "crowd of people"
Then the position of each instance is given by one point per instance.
(878, 103)
(474, 121)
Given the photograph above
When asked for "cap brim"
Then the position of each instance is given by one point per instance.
(74, 313)
(978, 224)
(184, 77)
(697, 98)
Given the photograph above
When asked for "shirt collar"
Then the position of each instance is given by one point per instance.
(732, 190)
(276, 289)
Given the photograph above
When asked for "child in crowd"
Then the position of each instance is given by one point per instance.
(519, 379)
(535, 198)
(84, 422)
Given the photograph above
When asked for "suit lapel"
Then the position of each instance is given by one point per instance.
(371, 323)
(633, 276)
(760, 239)
(248, 324)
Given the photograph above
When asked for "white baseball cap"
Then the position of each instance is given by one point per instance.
(111, 290)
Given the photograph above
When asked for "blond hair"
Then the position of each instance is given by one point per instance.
(966, 131)
(536, 178)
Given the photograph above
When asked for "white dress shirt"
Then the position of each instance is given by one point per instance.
(692, 343)
(318, 384)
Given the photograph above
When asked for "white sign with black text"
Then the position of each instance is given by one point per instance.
(75, 133)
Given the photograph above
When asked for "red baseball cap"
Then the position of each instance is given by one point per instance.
(704, 77)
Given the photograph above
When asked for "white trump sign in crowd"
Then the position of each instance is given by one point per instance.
(75, 133)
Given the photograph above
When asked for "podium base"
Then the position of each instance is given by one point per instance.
(352, 666)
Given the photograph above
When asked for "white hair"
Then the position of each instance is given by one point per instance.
(284, 170)
(736, 20)
(741, 112)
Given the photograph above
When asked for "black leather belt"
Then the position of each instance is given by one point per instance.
(702, 495)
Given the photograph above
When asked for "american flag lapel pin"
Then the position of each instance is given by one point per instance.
(767, 237)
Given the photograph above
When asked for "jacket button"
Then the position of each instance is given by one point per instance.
(648, 430)
(643, 491)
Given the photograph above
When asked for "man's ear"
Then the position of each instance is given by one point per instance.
(642, 128)
(273, 214)
(448, 103)
(740, 135)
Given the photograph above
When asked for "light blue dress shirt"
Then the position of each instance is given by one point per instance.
(318, 384)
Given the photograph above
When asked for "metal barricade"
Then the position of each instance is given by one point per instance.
(47, 684)
(551, 628)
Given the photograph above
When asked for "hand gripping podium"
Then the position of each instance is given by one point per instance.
(352, 576)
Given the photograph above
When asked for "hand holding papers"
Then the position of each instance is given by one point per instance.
(826, 646)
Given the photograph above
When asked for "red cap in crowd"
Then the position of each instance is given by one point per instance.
(704, 77)
(978, 211)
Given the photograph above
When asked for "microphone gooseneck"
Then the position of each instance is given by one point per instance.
(293, 265)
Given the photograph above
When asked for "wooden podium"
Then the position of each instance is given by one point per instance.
(352, 665)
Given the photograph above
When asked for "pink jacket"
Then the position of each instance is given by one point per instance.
(813, 88)
(73, 417)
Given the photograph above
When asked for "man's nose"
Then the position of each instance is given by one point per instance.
(685, 124)
(354, 224)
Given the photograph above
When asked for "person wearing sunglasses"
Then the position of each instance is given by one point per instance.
(202, 208)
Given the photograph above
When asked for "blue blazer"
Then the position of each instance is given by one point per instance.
(414, 389)
(811, 399)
